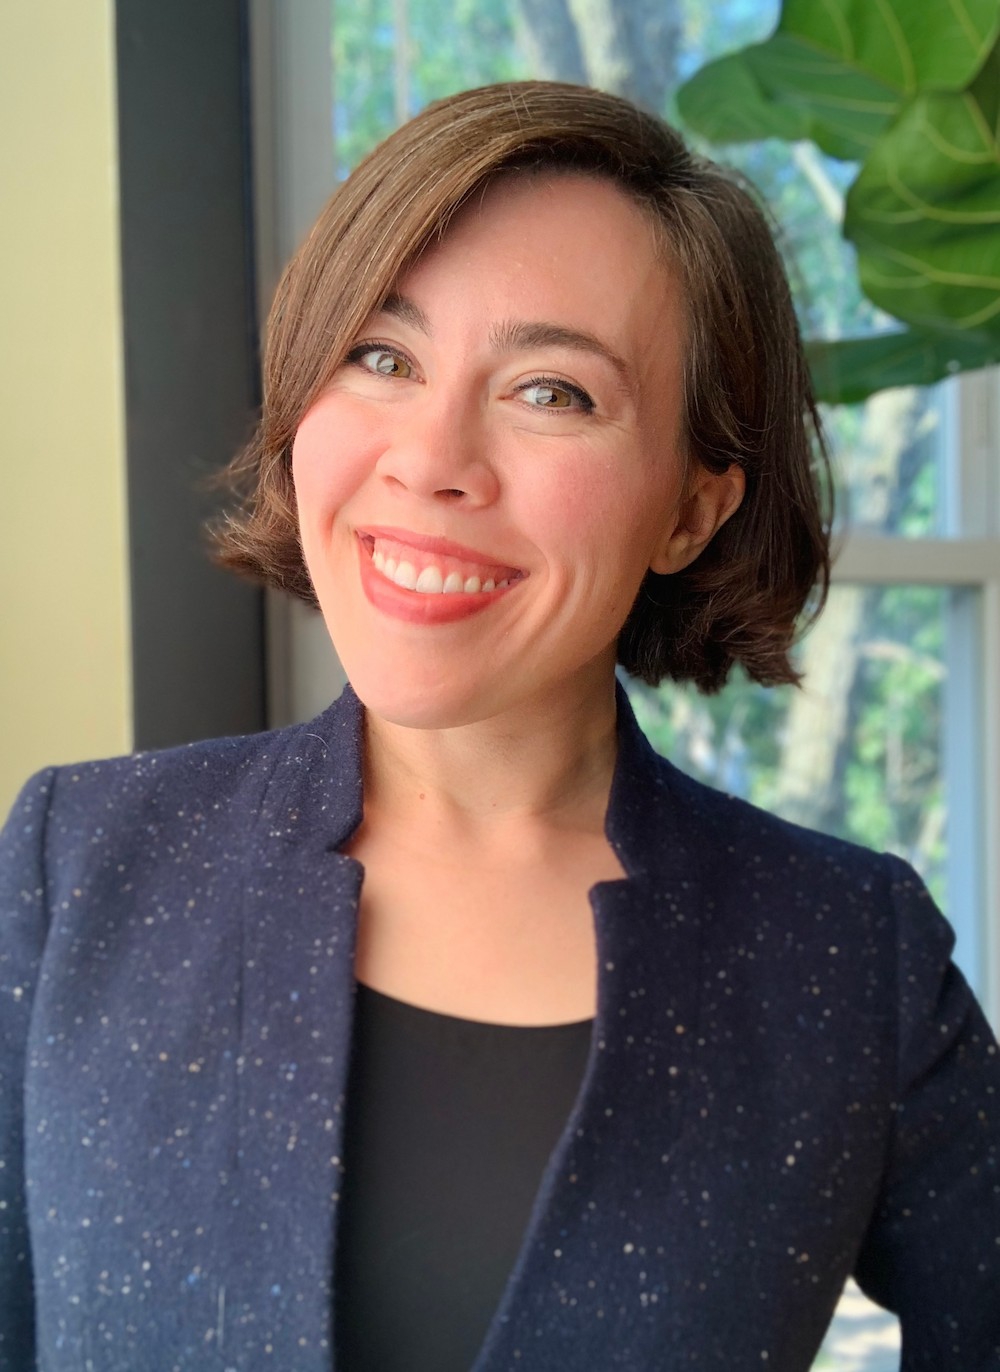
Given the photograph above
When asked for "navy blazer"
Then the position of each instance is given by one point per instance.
(788, 1082)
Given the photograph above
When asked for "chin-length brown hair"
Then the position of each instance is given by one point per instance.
(747, 393)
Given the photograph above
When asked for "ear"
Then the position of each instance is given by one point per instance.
(708, 501)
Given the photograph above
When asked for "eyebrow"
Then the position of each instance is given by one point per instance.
(406, 311)
(516, 334)
(511, 336)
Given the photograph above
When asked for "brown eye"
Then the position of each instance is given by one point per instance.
(381, 360)
(548, 397)
(543, 394)
(386, 363)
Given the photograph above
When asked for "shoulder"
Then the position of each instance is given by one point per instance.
(214, 768)
(660, 819)
(737, 834)
(215, 785)
(853, 936)
(780, 879)
(92, 800)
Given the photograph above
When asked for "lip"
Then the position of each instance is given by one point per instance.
(414, 607)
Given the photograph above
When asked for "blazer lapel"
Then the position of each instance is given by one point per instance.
(299, 924)
(597, 1220)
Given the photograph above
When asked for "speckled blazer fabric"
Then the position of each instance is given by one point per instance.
(787, 1083)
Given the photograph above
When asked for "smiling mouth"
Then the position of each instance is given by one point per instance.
(427, 571)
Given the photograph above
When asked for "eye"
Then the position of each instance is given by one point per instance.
(380, 359)
(547, 393)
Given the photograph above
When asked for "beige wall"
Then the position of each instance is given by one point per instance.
(64, 668)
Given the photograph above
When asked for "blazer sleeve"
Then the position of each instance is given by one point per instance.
(22, 938)
(932, 1253)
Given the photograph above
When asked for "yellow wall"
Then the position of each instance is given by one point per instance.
(64, 664)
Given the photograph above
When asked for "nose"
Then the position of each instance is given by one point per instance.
(440, 451)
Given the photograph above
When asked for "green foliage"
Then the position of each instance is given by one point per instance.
(843, 369)
(786, 89)
(839, 72)
(450, 48)
(911, 89)
(925, 212)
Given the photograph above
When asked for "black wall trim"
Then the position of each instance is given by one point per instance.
(190, 358)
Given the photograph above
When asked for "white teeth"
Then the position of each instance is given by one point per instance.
(430, 581)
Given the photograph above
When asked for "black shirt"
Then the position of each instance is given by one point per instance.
(450, 1123)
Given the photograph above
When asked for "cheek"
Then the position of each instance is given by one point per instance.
(612, 509)
(331, 455)
(574, 491)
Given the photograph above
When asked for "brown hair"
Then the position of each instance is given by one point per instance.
(748, 396)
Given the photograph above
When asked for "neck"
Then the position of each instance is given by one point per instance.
(549, 764)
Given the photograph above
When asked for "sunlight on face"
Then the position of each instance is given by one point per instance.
(499, 460)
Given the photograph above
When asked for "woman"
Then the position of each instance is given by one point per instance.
(456, 1028)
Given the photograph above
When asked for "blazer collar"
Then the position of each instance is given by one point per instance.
(299, 933)
(320, 782)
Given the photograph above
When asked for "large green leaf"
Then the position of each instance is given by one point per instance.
(938, 43)
(925, 211)
(849, 370)
(785, 89)
(838, 71)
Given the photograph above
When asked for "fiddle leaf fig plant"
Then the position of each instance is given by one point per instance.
(910, 90)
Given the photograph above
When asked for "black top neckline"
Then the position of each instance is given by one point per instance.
(407, 1007)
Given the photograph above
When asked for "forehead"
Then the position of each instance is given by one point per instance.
(575, 247)
(549, 216)
(534, 192)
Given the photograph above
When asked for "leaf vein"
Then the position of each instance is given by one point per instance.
(932, 211)
(979, 41)
(901, 45)
(842, 27)
(929, 274)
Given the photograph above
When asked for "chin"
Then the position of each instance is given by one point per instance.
(422, 700)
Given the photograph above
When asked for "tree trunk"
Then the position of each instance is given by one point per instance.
(628, 47)
(546, 32)
(819, 726)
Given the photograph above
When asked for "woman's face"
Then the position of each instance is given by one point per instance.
(488, 477)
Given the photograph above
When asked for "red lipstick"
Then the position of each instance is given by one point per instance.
(417, 607)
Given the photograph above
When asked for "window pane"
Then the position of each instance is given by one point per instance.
(890, 462)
